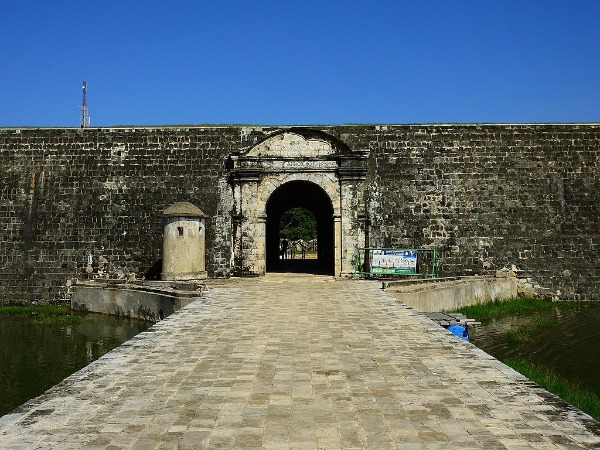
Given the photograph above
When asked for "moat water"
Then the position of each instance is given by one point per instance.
(34, 357)
(564, 339)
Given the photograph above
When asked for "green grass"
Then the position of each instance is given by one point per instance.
(35, 309)
(524, 307)
(505, 308)
(44, 314)
(568, 390)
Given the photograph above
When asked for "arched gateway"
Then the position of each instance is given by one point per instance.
(305, 168)
(310, 196)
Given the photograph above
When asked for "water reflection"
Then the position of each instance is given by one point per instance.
(35, 357)
(570, 346)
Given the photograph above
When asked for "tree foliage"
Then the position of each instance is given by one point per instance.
(298, 223)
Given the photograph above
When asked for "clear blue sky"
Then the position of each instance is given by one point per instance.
(299, 62)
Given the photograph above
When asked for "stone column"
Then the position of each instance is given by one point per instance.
(184, 247)
(353, 235)
(261, 240)
(249, 253)
(337, 231)
(352, 175)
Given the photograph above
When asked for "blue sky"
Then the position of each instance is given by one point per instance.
(303, 62)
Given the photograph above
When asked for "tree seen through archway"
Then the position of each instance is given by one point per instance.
(298, 223)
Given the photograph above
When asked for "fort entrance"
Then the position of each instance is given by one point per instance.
(297, 168)
(307, 195)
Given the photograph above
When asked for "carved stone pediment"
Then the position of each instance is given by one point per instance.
(298, 151)
(292, 145)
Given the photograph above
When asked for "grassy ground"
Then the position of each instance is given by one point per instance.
(43, 314)
(504, 308)
(516, 307)
(307, 255)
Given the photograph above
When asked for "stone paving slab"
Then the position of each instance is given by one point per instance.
(297, 362)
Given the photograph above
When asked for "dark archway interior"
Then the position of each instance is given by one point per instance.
(301, 194)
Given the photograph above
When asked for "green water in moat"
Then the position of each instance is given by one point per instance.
(34, 357)
(563, 338)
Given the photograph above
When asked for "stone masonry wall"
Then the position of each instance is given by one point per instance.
(525, 197)
(86, 203)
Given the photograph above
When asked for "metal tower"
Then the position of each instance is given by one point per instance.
(85, 118)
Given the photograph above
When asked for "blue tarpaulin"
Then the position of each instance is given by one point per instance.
(460, 330)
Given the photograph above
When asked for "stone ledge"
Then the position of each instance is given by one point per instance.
(152, 301)
(448, 294)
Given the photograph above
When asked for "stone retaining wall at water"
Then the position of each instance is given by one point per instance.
(436, 295)
(86, 203)
(494, 196)
(151, 301)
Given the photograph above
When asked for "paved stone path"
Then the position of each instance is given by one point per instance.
(301, 363)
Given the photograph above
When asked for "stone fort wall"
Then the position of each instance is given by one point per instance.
(86, 203)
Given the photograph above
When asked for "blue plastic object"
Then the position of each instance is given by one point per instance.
(459, 330)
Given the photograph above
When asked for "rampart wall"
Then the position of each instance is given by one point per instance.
(86, 203)
(494, 196)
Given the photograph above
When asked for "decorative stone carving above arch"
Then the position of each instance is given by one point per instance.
(298, 143)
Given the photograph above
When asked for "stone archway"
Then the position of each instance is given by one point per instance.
(303, 164)
(310, 196)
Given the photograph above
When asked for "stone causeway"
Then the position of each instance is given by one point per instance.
(297, 362)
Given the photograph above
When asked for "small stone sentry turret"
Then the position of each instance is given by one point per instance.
(183, 243)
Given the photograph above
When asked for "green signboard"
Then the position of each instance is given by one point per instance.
(393, 262)
(390, 262)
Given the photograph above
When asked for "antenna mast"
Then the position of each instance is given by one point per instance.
(85, 118)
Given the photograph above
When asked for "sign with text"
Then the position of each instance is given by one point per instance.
(393, 262)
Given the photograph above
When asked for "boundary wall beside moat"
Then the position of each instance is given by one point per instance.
(87, 203)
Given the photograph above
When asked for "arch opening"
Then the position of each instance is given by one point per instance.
(312, 198)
